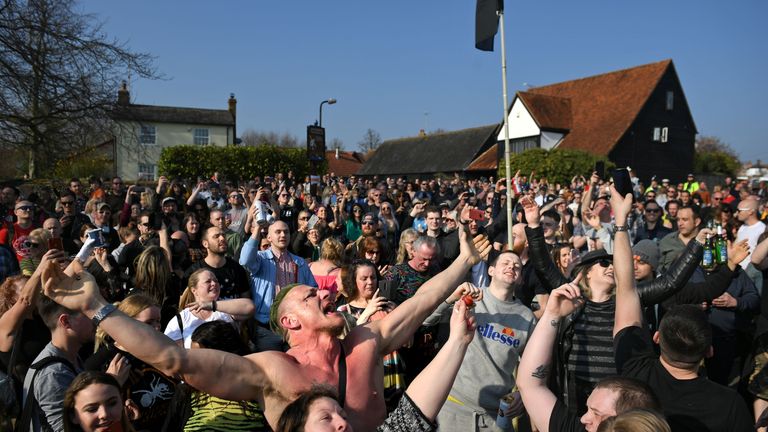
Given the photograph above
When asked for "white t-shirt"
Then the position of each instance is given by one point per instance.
(751, 233)
(190, 323)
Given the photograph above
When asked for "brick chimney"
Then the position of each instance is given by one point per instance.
(123, 96)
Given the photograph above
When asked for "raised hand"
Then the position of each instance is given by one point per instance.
(463, 323)
(467, 288)
(737, 252)
(621, 205)
(532, 213)
(78, 292)
(565, 299)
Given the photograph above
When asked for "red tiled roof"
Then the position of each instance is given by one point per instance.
(347, 164)
(549, 112)
(488, 160)
(602, 107)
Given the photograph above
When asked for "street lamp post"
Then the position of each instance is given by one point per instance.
(329, 101)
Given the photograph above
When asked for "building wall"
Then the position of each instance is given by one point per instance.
(521, 124)
(130, 154)
(639, 149)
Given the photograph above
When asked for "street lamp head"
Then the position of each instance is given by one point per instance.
(331, 101)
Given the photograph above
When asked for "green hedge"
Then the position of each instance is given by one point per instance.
(233, 162)
(557, 166)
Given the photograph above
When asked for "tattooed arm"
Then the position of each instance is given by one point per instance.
(535, 365)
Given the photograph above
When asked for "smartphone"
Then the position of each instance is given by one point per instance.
(55, 243)
(600, 168)
(139, 189)
(334, 200)
(312, 222)
(622, 182)
(157, 221)
(476, 214)
(97, 235)
(386, 287)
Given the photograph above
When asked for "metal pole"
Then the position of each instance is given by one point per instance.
(510, 237)
(321, 113)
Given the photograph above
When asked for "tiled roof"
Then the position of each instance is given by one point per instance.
(347, 164)
(488, 160)
(602, 107)
(434, 153)
(163, 114)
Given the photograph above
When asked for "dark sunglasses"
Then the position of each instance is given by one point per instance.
(25, 208)
(366, 223)
(29, 244)
(67, 203)
(604, 263)
(649, 210)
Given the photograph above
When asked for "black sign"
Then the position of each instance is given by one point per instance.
(315, 143)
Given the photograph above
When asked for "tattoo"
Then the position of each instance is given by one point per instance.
(541, 372)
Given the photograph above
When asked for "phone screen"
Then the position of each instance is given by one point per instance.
(622, 181)
(55, 243)
(600, 168)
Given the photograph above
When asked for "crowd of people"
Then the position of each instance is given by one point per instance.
(393, 304)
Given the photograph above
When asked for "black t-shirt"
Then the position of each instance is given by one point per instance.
(231, 276)
(696, 405)
(562, 421)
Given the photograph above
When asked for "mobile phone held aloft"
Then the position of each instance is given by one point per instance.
(476, 214)
(622, 182)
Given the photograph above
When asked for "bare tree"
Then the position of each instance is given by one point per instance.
(371, 141)
(59, 73)
(337, 143)
(252, 137)
(709, 144)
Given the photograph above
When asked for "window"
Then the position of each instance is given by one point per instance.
(664, 132)
(147, 171)
(670, 100)
(657, 134)
(148, 135)
(200, 136)
(522, 144)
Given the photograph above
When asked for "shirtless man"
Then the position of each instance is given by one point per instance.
(310, 323)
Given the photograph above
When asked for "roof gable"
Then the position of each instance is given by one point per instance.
(179, 115)
(442, 152)
(602, 107)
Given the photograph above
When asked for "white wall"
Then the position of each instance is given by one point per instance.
(130, 153)
(521, 124)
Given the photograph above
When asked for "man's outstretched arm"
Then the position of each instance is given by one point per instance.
(216, 372)
(402, 322)
(535, 366)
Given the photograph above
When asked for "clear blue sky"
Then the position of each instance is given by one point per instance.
(390, 62)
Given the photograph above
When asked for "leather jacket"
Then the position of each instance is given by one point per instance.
(651, 292)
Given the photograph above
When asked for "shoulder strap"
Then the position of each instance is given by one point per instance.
(30, 401)
(342, 375)
(181, 324)
(14, 351)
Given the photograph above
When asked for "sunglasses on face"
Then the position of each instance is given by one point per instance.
(366, 223)
(603, 262)
(25, 208)
(67, 203)
(652, 210)
(30, 244)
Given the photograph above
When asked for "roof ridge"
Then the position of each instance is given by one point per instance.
(170, 107)
(441, 133)
(643, 66)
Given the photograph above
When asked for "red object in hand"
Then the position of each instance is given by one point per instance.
(467, 299)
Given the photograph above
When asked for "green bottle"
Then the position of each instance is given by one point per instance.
(721, 246)
(708, 259)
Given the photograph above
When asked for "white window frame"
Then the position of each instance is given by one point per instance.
(656, 134)
(145, 133)
(147, 171)
(664, 134)
(199, 139)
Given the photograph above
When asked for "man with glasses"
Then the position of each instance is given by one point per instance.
(13, 234)
(71, 220)
(237, 213)
(100, 218)
(651, 228)
(288, 211)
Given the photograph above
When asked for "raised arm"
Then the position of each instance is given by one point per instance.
(398, 326)
(536, 363)
(545, 268)
(240, 308)
(628, 309)
(430, 388)
(219, 373)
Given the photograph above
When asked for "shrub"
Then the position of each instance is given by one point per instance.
(557, 166)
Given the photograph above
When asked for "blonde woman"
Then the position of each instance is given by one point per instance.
(33, 249)
(405, 251)
(199, 303)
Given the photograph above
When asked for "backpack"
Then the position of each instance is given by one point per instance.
(31, 405)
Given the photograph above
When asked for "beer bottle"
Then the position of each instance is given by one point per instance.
(708, 260)
(721, 246)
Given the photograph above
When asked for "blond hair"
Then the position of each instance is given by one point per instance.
(152, 272)
(187, 296)
(131, 306)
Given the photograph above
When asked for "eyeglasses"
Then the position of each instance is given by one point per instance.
(30, 244)
(604, 263)
(738, 209)
(652, 210)
(67, 203)
(25, 208)
(366, 223)
(357, 210)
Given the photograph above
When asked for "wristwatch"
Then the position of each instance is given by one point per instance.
(620, 228)
(103, 313)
